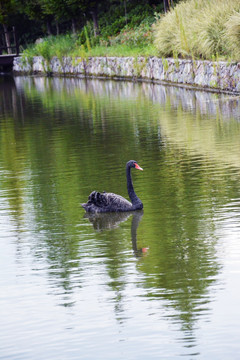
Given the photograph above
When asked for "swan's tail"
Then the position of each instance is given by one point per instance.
(95, 199)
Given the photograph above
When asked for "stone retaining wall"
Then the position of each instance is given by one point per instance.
(219, 76)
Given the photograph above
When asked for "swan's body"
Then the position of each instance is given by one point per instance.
(110, 202)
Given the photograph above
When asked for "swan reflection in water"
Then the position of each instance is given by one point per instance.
(108, 221)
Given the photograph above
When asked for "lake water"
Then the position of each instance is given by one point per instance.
(158, 284)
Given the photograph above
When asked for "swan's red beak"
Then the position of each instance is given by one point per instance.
(137, 167)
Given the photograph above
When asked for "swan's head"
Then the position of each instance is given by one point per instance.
(134, 164)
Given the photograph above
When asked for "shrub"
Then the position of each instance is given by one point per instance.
(199, 28)
(113, 22)
(140, 36)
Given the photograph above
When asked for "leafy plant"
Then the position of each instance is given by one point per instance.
(139, 36)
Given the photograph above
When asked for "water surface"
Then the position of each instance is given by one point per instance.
(158, 284)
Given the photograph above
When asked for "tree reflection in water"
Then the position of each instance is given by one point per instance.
(56, 134)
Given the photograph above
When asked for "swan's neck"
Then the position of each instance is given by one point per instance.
(133, 197)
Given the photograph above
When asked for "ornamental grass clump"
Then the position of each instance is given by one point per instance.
(210, 30)
(200, 29)
(232, 34)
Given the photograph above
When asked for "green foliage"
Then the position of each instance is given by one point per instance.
(139, 36)
(115, 20)
(194, 28)
(63, 45)
(49, 47)
(45, 49)
(120, 23)
(200, 29)
(86, 36)
(7, 9)
(79, 52)
(129, 42)
(27, 56)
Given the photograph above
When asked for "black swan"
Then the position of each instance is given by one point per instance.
(109, 202)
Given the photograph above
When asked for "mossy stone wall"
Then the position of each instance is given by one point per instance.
(220, 76)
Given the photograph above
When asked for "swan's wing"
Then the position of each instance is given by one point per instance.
(106, 202)
(117, 201)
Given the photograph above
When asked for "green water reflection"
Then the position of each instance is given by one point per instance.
(62, 138)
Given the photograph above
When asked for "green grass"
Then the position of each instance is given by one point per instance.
(129, 42)
(123, 50)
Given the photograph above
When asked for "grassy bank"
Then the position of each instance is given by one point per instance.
(208, 29)
(128, 42)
